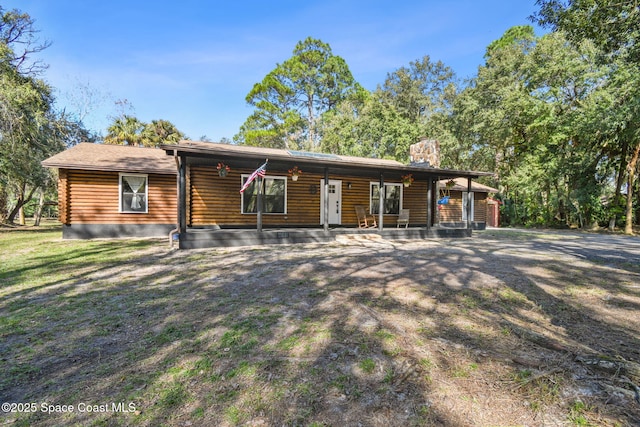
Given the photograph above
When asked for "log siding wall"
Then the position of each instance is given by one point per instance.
(214, 200)
(63, 197)
(452, 211)
(91, 197)
(217, 201)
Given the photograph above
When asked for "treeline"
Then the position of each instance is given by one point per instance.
(30, 128)
(555, 117)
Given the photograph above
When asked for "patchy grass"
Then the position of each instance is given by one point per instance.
(494, 330)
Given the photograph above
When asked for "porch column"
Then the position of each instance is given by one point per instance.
(381, 203)
(325, 206)
(429, 202)
(182, 195)
(469, 203)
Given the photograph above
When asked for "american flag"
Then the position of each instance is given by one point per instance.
(261, 171)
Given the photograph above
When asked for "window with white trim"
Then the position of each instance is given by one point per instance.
(274, 195)
(133, 193)
(392, 198)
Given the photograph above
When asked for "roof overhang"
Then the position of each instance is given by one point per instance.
(242, 156)
(112, 158)
(460, 184)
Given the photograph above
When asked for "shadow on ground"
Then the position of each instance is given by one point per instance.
(492, 330)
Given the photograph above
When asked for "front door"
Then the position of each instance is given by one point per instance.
(335, 202)
(465, 205)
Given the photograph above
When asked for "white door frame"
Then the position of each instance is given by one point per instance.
(335, 201)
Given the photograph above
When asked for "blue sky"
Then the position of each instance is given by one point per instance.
(193, 62)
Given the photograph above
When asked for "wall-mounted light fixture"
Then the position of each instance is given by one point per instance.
(349, 185)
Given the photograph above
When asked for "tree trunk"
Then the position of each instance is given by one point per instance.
(3, 203)
(619, 181)
(37, 216)
(312, 124)
(21, 218)
(631, 169)
(22, 200)
(637, 193)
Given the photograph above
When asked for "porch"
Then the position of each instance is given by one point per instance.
(278, 208)
(197, 238)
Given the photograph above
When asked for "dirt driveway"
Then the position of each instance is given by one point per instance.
(531, 328)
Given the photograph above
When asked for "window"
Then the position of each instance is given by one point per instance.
(274, 195)
(392, 198)
(133, 193)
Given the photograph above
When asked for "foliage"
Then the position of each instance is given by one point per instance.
(420, 90)
(413, 101)
(125, 130)
(295, 171)
(368, 127)
(290, 100)
(614, 28)
(30, 129)
(536, 108)
(407, 179)
(554, 117)
(128, 130)
(160, 132)
(19, 35)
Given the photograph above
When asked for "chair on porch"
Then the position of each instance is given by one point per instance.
(365, 220)
(403, 218)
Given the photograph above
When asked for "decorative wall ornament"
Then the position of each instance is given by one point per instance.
(407, 179)
(223, 169)
(295, 172)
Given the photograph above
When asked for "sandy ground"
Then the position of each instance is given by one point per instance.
(527, 328)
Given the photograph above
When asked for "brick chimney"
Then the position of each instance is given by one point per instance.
(425, 153)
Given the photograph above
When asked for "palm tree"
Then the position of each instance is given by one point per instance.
(125, 130)
(160, 132)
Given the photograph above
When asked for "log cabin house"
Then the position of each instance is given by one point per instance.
(191, 190)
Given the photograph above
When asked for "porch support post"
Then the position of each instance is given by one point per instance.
(259, 182)
(429, 202)
(182, 195)
(325, 206)
(381, 203)
(469, 203)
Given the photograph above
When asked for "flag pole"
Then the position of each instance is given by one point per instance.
(260, 200)
(259, 174)
(259, 220)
